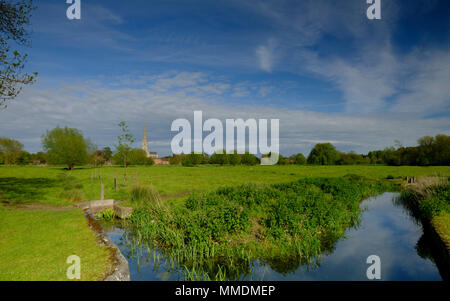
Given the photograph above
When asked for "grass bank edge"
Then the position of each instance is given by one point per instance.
(429, 201)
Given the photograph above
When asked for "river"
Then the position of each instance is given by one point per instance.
(386, 230)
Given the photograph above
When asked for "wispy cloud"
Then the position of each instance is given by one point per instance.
(265, 54)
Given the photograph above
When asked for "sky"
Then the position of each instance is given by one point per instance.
(321, 67)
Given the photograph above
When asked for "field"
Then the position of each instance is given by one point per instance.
(46, 185)
(38, 226)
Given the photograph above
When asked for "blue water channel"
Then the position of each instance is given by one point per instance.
(386, 230)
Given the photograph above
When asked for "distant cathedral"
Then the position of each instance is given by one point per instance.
(145, 146)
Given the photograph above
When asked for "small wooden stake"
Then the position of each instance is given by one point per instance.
(102, 192)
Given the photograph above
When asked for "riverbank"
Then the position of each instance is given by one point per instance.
(429, 200)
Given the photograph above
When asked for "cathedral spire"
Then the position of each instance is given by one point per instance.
(145, 143)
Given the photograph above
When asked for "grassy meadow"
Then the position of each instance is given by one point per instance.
(53, 185)
(39, 227)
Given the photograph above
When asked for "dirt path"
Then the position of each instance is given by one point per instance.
(38, 207)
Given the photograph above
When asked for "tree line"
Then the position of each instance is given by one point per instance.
(68, 146)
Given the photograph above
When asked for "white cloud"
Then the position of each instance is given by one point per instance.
(177, 80)
(265, 55)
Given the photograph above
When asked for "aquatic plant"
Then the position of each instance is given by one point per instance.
(107, 214)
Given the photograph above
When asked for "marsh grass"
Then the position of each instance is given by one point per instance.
(428, 201)
(144, 196)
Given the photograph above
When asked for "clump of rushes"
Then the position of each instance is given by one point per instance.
(219, 235)
(73, 195)
(144, 195)
(72, 188)
(107, 215)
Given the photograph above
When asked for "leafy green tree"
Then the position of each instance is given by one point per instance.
(98, 158)
(375, 157)
(442, 150)
(66, 146)
(282, 160)
(40, 157)
(234, 158)
(11, 150)
(220, 158)
(249, 159)
(125, 140)
(193, 159)
(323, 154)
(139, 157)
(351, 158)
(14, 21)
(107, 153)
(392, 157)
(24, 158)
(176, 159)
(299, 159)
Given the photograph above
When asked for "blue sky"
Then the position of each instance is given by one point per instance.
(320, 66)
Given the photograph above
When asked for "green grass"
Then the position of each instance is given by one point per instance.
(33, 184)
(35, 244)
(441, 223)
